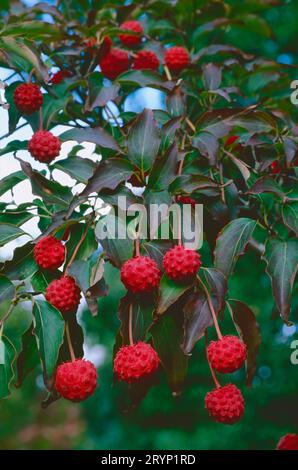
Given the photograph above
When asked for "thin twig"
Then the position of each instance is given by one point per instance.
(190, 124)
(168, 73)
(77, 248)
(69, 343)
(130, 333)
(112, 115)
(11, 307)
(217, 384)
(211, 308)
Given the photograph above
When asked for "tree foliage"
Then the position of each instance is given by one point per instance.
(224, 136)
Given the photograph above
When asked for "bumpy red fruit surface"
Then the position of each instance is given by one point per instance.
(28, 98)
(145, 60)
(49, 253)
(114, 63)
(44, 146)
(140, 274)
(64, 294)
(288, 442)
(176, 59)
(225, 404)
(181, 264)
(59, 76)
(136, 361)
(76, 380)
(129, 39)
(227, 354)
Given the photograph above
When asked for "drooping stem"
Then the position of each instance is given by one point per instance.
(69, 343)
(31, 75)
(222, 189)
(11, 307)
(137, 246)
(130, 333)
(217, 384)
(112, 115)
(73, 256)
(211, 308)
(168, 73)
(40, 120)
(190, 124)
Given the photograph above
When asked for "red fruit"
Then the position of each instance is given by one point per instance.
(145, 60)
(186, 200)
(59, 76)
(64, 294)
(114, 63)
(181, 264)
(44, 146)
(128, 39)
(227, 354)
(76, 380)
(225, 404)
(28, 98)
(105, 45)
(49, 253)
(275, 167)
(231, 140)
(176, 59)
(135, 361)
(140, 274)
(288, 442)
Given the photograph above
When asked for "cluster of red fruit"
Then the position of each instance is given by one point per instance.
(116, 61)
(75, 380)
(43, 146)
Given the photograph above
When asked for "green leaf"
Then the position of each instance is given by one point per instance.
(96, 135)
(50, 191)
(9, 232)
(8, 182)
(197, 312)
(49, 332)
(164, 169)
(211, 76)
(41, 279)
(249, 329)
(7, 359)
(169, 293)
(144, 78)
(23, 56)
(108, 175)
(231, 243)
(143, 140)
(190, 183)
(22, 264)
(14, 146)
(14, 114)
(51, 108)
(167, 337)
(108, 230)
(282, 263)
(176, 102)
(290, 216)
(81, 169)
(7, 289)
(28, 358)
(267, 185)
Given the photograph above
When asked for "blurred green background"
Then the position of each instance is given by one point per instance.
(162, 421)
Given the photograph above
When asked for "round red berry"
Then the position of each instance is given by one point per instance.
(140, 274)
(129, 39)
(28, 98)
(59, 76)
(227, 354)
(185, 200)
(288, 442)
(64, 294)
(135, 361)
(44, 146)
(49, 253)
(176, 59)
(181, 264)
(275, 167)
(114, 63)
(76, 380)
(225, 404)
(145, 60)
